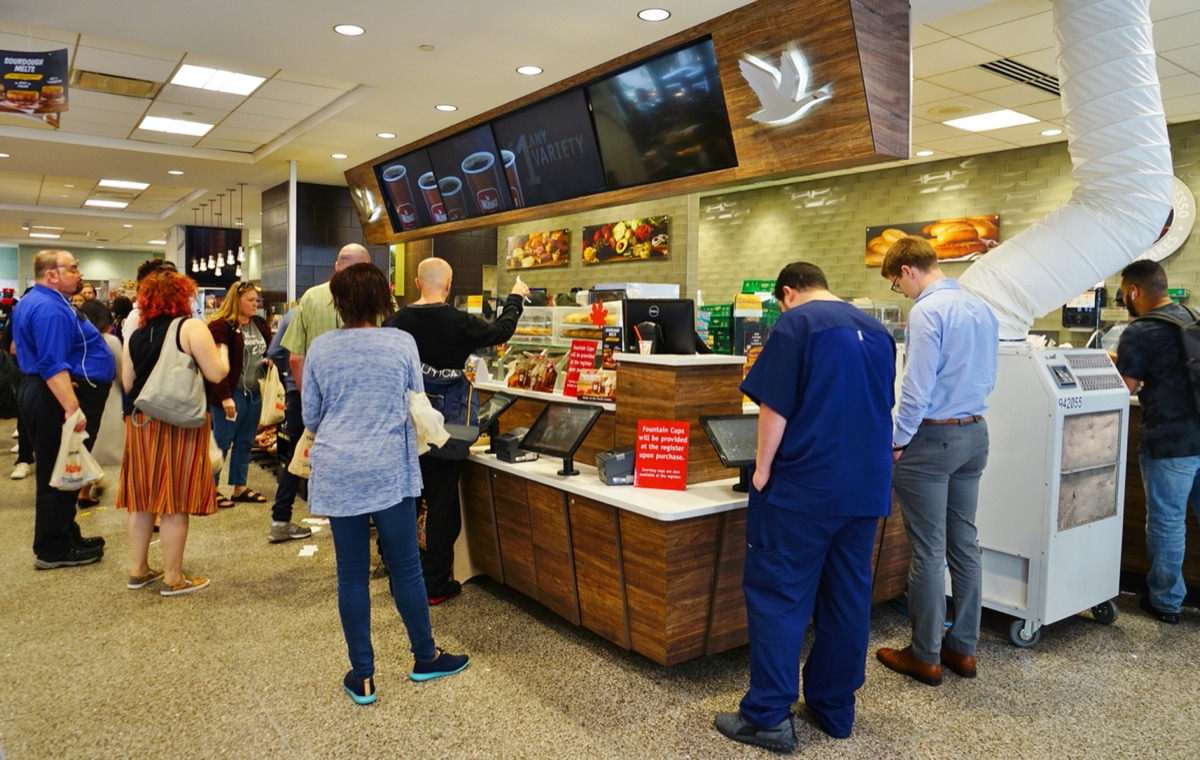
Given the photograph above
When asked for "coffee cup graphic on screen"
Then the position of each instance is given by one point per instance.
(396, 179)
(452, 198)
(484, 182)
(433, 198)
(514, 182)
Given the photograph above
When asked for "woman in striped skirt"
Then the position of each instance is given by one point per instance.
(165, 470)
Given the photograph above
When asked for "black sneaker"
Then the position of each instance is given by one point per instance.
(1170, 618)
(90, 542)
(781, 738)
(75, 556)
(361, 690)
(443, 664)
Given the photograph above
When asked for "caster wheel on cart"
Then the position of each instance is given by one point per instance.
(1105, 612)
(1016, 633)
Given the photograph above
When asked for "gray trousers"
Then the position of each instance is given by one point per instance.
(936, 481)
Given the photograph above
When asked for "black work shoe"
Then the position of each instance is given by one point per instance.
(781, 738)
(75, 556)
(448, 592)
(1170, 618)
(90, 542)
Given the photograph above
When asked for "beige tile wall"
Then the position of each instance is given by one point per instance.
(719, 240)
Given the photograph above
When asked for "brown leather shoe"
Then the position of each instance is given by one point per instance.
(961, 664)
(902, 661)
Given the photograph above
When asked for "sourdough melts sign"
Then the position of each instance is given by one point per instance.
(34, 84)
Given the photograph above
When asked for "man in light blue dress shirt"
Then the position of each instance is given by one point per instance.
(940, 447)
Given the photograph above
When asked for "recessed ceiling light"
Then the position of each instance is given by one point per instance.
(123, 184)
(3, 155)
(386, 135)
(529, 71)
(923, 153)
(994, 120)
(349, 30)
(654, 14)
(157, 242)
(104, 204)
(338, 155)
(174, 126)
(1051, 132)
(68, 186)
(176, 172)
(446, 107)
(219, 80)
(127, 226)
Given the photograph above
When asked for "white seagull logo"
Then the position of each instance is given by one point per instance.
(783, 91)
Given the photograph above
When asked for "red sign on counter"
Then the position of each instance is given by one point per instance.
(581, 357)
(661, 458)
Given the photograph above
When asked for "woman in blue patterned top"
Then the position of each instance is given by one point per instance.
(355, 400)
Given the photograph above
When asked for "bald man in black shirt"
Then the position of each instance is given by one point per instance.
(445, 338)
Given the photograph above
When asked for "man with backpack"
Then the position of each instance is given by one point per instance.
(1152, 359)
(445, 338)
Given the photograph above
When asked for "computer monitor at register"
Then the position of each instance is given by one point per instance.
(676, 320)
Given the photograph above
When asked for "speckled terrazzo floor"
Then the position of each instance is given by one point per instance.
(251, 668)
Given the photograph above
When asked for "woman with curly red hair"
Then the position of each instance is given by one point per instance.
(165, 470)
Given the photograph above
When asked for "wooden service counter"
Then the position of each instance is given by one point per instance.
(658, 572)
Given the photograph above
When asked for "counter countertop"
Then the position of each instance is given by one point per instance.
(680, 360)
(698, 500)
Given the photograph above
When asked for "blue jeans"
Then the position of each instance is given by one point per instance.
(238, 434)
(1170, 483)
(397, 530)
(936, 480)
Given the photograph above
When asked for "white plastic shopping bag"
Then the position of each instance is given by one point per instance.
(75, 467)
(272, 398)
(428, 423)
(299, 466)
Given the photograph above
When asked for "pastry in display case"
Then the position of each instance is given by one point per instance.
(584, 323)
(536, 325)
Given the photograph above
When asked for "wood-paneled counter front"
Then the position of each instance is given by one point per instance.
(658, 572)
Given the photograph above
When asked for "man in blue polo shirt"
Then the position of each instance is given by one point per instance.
(824, 384)
(66, 366)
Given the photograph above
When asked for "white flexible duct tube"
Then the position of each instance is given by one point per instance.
(1117, 138)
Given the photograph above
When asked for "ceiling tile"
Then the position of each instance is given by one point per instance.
(226, 64)
(1184, 105)
(1167, 69)
(227, 132)
(928, 132)
(1016, 96)
(294, 92)
(78, 127)
(219, 143)
(925, 91)
(123, 64)
(970, 80)
(87, 100)
(21, 41)
(923, 35)
(260, 123)
(1049, 110)
(969, 105)
(974, 143)
(190, 113)
(1044, 60)
(111, 118)
(1187, 57)
(1178, 32)
(1161, 9)
(192, 96)
(1178, 86)
(989, 15)
(146, 135)
(1024, 35)
(316, 81)
(259, 106)
(129, 48)
(949, 55)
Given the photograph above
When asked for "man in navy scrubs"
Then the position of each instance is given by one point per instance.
(824, 384)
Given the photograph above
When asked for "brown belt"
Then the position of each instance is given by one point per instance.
(962, 421)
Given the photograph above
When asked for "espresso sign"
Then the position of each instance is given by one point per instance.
(34, 84)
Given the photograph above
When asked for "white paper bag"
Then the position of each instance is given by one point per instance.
(272, 398)
(299, 466)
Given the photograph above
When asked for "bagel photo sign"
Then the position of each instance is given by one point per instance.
(961, 238)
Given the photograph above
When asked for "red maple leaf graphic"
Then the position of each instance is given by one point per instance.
(599, 315)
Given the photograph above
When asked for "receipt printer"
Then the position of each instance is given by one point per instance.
(508, 447)
(615, 466)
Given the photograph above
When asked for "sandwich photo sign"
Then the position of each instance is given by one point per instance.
(34, 84)
(961, 238)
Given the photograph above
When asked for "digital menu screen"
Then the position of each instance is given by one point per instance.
(550, 152)
(410, 191)
(471, 176)
(663, 119)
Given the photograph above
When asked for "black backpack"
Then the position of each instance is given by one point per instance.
(1189, 337)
